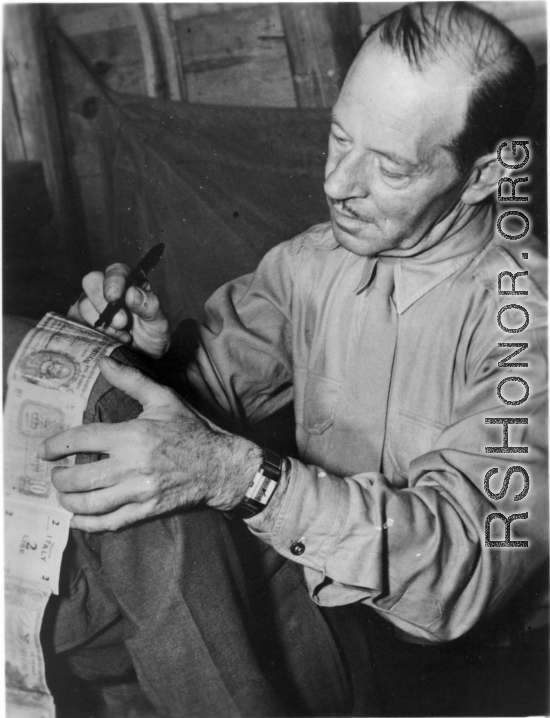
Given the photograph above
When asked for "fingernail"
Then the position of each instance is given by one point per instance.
(139, 296)
(111, 363)
(42, 451)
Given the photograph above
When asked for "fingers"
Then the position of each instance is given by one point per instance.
(115, 281)
(74, 311)
(143, 323)
(103, 501)
(99, 289)
(93, 302)
(132, 382)
(92, 438)
(84, 311)
(113, 521)
(84, 477)
(151, 329)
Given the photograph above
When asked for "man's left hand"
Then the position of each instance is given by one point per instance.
(170, 457)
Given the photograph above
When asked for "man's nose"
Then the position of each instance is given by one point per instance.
(346, 177)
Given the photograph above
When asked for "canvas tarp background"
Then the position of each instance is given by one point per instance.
(219, 185)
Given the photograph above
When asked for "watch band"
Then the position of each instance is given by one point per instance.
(261, 487)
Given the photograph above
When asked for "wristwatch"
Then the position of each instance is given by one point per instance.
(261, 487)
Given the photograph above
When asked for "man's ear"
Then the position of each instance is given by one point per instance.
(483, 179)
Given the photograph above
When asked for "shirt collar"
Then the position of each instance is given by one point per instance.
(416, 276)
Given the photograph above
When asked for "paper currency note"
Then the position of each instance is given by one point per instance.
(27, 704)
(34, 414)
(25, 603)
(35, 537)
(60, 354)
(49, 382)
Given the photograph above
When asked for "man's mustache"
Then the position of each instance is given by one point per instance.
(345, 207)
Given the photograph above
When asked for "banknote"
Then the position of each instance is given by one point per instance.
(27, 704)
(24, 605)
(60, 354)
(34, 540)
(35, 413)
(49, 381)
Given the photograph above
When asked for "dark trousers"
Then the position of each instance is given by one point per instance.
(211, 621)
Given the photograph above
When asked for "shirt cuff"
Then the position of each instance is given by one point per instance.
(307, 527)
(298, 521)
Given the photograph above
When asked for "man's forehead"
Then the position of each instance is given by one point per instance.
(394, 100)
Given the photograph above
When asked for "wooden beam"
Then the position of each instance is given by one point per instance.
(28, 65)
(155, 81)
(79, 87)
(175, 75)
(322, 40)
(14, 147)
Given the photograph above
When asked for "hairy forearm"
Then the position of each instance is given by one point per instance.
(228, 467)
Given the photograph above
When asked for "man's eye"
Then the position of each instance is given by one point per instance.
(338, 137)
(395, 177)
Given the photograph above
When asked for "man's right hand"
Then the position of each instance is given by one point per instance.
(142, 325)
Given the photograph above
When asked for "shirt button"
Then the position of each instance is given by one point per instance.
(297, 548)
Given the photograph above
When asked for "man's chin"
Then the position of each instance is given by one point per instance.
(362, 244)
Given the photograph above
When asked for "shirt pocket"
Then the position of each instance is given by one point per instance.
(316, 403)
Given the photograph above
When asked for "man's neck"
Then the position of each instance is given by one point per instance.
(463, 228)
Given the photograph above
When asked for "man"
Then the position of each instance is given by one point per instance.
(381, 326)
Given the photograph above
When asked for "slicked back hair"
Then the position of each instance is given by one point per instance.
(503, 71)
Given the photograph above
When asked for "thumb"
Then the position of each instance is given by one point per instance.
(134, 383)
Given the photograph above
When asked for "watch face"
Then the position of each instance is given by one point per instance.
(265, 491)
(261, 489)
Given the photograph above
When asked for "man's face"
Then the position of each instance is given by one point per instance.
(54, 369)
(390, 182)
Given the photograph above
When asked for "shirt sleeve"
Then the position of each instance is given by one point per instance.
(243, 365)
(418, 554)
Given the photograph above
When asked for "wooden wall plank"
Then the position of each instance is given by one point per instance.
(13, 145)
(322, 40)
(237, 57)
(173, 63)
(181, 10)
(150, 51)
(84, 19)
(33, 92)
(79, 93)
